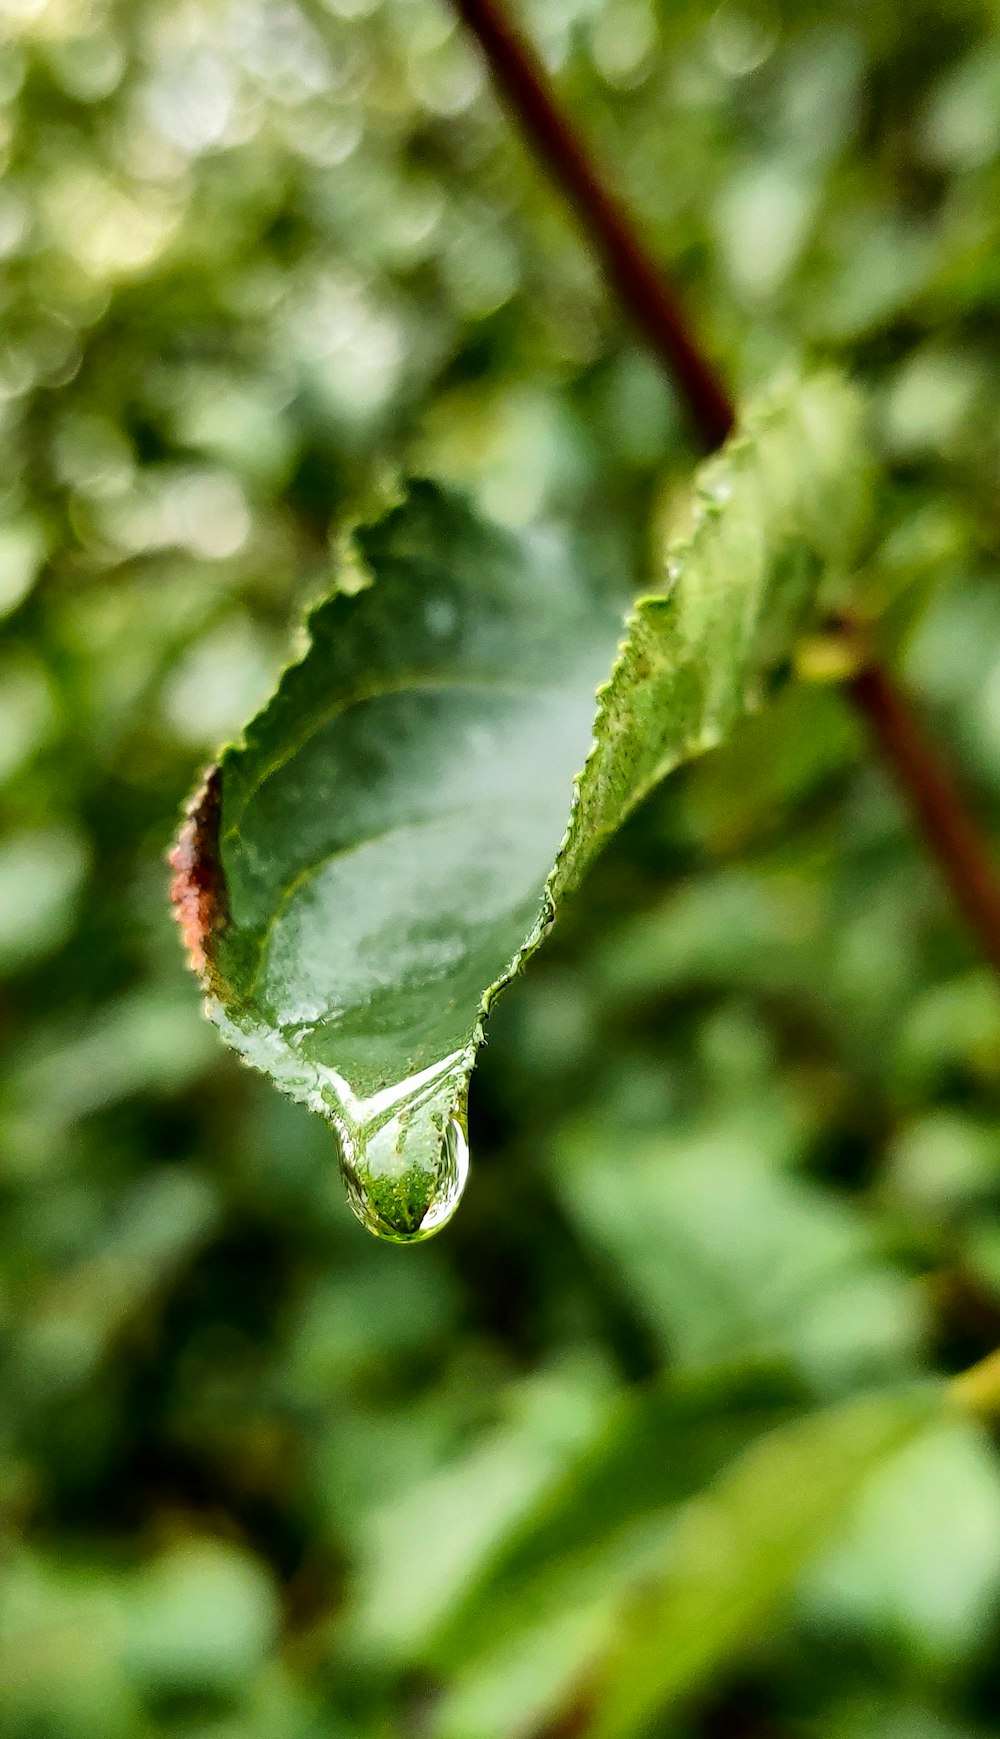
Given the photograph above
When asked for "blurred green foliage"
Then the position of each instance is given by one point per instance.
(261, 1478)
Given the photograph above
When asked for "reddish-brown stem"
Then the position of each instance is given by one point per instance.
(572, 1724)
(951, 834)
(929, 790)
(631, 271)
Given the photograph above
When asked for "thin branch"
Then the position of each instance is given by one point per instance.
(952, 836)
(631, 271)
(929, 790)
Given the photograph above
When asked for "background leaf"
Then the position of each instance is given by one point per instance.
(742, 1545)
(629, 1616)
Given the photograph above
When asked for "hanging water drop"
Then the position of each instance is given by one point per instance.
(405, 1178)
(404, 1151)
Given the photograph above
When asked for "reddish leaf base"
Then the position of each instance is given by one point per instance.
(198, 890)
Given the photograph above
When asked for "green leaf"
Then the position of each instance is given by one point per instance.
(644, 1616)
(739, 1257)
(516, 1646)
(742, 1546)
(364, 872)
(921, 1561)
(421, 1556)
(616, 1485)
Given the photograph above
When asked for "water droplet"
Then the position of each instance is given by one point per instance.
(405, 1178)
(404, 1151)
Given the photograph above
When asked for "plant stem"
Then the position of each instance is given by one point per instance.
(930, 791)
(631, 271)
(933, 798)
